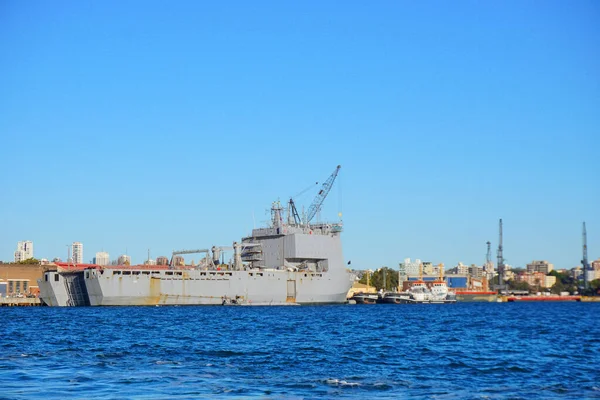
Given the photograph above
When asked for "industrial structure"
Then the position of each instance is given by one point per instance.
(500, 255)
(584, 261)
(489, 266)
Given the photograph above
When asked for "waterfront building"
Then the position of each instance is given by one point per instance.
(162, 260)
(24, 250)
(476, 271)
(410, 267)
(124, 260)
(178, 261)
(428, 268)
(538, 279)
(102, 258)
(77, 253)
(460, 269)
(550, 280)
(540, 266)
(594, 272)
(149, 262)
(20, 278)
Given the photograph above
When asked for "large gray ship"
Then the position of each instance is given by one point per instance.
(290, 262)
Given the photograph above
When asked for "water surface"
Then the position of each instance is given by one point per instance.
(457, 351)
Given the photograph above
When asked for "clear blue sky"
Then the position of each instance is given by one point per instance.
(166, 125)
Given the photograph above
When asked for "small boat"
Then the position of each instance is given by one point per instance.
(365, 298)
(396, 298)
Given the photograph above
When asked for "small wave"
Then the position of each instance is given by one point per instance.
(230, 353)
(338, 382)
(80, 379)
(457, 364)
(516, 368)
(382, 386)
(166, 362)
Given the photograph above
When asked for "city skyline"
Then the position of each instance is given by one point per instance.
(103, 258)
(173, 126)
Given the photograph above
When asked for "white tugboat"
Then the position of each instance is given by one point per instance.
(419, 292)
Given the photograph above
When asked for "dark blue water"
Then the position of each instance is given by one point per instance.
(483, 351)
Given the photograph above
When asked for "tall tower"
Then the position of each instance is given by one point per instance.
(77, 253)
(584, 262)
(500, 259)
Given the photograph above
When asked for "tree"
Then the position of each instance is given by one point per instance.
(558, 287)
(595, 286)
(376, 279)
(29, 261)
(512, 284)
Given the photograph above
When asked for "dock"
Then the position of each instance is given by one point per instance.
(20, 302)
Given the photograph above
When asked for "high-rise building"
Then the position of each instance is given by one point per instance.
(124, 260)
(102, 258)
(540, 266)
(178, 261)
(24, 251)
(162, 260)
(411, 268)
(77, 253)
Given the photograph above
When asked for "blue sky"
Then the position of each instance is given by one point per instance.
(164, 125)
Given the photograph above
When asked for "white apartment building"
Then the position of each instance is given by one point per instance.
(24, 250)
(124, 260)
(77, 253)
(102, 258)
(150, 262)
(461, 269)
(411, 268)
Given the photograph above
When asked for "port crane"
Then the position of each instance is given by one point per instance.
(320, 198)
(501, 266)
(584, 261)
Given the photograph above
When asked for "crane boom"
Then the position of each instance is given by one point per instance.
(320, 198)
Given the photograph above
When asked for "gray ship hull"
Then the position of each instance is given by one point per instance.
(195, 287)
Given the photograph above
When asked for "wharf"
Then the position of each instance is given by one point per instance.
(543, 298)
(20, 302)
(590, 298)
